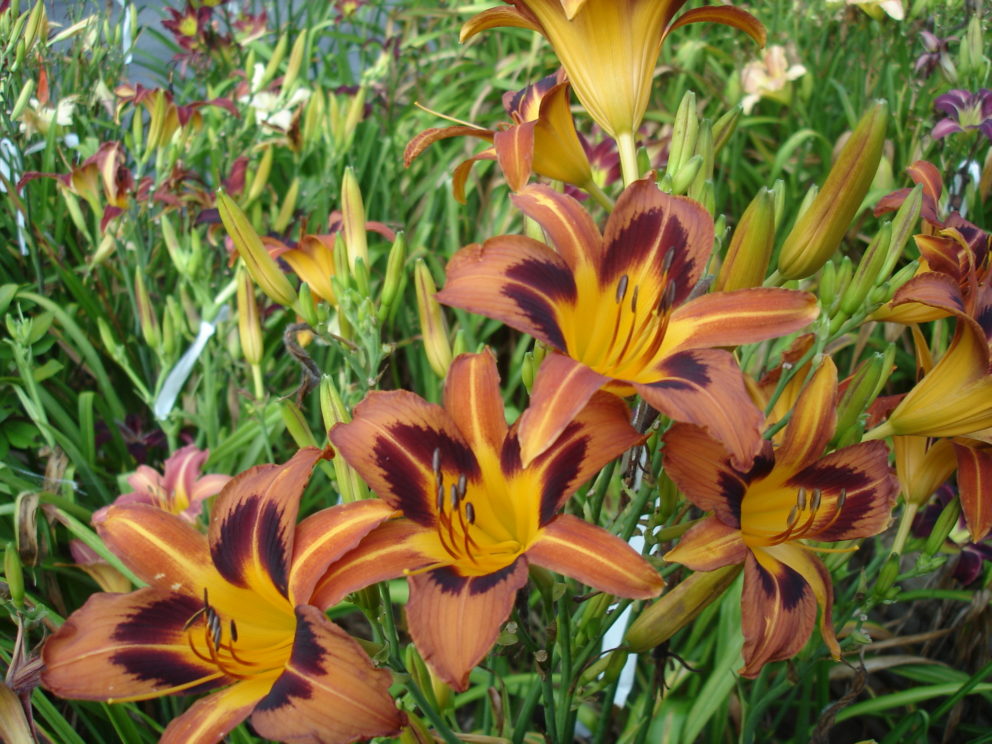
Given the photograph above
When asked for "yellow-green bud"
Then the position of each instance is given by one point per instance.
(432, 326)
(819, 231)
(14, 575)
(146, 313)
(858, 395)
(887, 576)
(684, 133)
(262, 267)
(704, 147)
(295, 61)
(751, 246)
(724, 127)
(249, 320)
(868, 273)
(261, 177)
(296, 424)
(353, 219)
(354, 114)
(274, 61)
(946, 522)
(686, 175)
(393, 282)
(679, 607)
(22, 99)
(288, 205)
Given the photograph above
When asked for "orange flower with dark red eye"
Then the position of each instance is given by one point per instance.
(474, 515)
(228, 614)
(619, 308)
(763, 516)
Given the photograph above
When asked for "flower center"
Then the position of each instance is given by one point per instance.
(475, 544)
(625, 339)
(776, 521)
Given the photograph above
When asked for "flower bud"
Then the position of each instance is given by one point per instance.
(296, 424)
(704, 147)
(260, 265)
(858, 395)
(887, 576)
(818, 232)
(261, 177)
(432, 325)
(146, 313)
(333, 411)
(353, 222)
(751, 246)
(868, 273)
(313, 117)
(724, 127)
(778, 189)
(22, 99)
(686, 128)
(679, 607)
(13, 575)
(295, 62)
(288, 205)
(686, 175)
(946, 522)
(393, 283)
(353, 115)
(274, 61)
(972, 56)
(249, 322)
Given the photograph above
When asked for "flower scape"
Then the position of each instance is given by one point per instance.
(524, 372)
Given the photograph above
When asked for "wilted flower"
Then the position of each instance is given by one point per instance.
(936, 55)
(770, 76)
(965, 110)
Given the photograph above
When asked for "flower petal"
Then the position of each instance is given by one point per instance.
(813, 421)
(515, 153)
(975, 486)
(455, 620)
(129, 646)
(590, 554)
(161, 548)
(644, 228)
(562, 388)
(499, 17)
(329, 692)
(472, 398)
(324, 537)
(210, 719)
(861, 472)
(743, 316)
(778, 610)
(513, 279)
(701, 468)
(599, 432)
(385, 553)
(426, 138)
(567, 224)
(709, 545)
(254, 521)
(725, 14)
(706, 387)
(391, 443)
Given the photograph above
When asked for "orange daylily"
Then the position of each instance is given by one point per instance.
(229, 614)
(609, 48)
(541, 138)
(474, 516)
(762, 514)
(617, 308)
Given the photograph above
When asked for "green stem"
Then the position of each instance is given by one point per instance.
(628, 157)
(904, 526)
(565, 649)
(601, 197)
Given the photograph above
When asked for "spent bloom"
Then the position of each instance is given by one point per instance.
(473, 515)
(762, 515)
(228, 614)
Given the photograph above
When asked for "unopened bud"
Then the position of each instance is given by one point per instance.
(313, 115)
(249, 321)
(887, 576)
(860, 392)
(261, 177)
(295, 62)
(353, 219)
(296, 424)
(685, 130)
(13, 575)
(262, 267)
(274, 61)
(287, 206)
(22, 99)
(724, 127)
(679, 607)
(146, 313)
(972, 56)
(432, 325)
(176, 253)
(393, 282)
(868, 273)
(751, 246)
(704, 147)
(946, 522)
(903, 225)
(354, 115)
(818, 232)
(683, 178)
(778, 189)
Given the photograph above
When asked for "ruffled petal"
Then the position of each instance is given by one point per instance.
(590, 554)
(210, 719)
(329, 691)
(454, 620)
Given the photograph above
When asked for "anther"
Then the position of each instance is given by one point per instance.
(462, 485)
(439, 503)
(668, 298)
(469, 512)
(841, 499)
(815, 504)
(436, 462)
(633, 300)
(234, 631)
(801, 499)
(622, 288)
(792, 518)
(454, 497)
(666, 262)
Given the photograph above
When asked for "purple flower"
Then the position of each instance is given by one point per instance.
(937, 55)
(965, 110)
(971, 555)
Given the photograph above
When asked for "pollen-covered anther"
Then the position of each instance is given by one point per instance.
(804, 513)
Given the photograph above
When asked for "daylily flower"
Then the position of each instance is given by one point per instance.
(165, 116)
(965, 110)
(108, 578)
(474, 516)
(617, 307)
(228, 614)
(180, 489)
(609, 49)
(770, 77)
(761, 516)
(541, 138)
(103, 180)
(937, 54)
